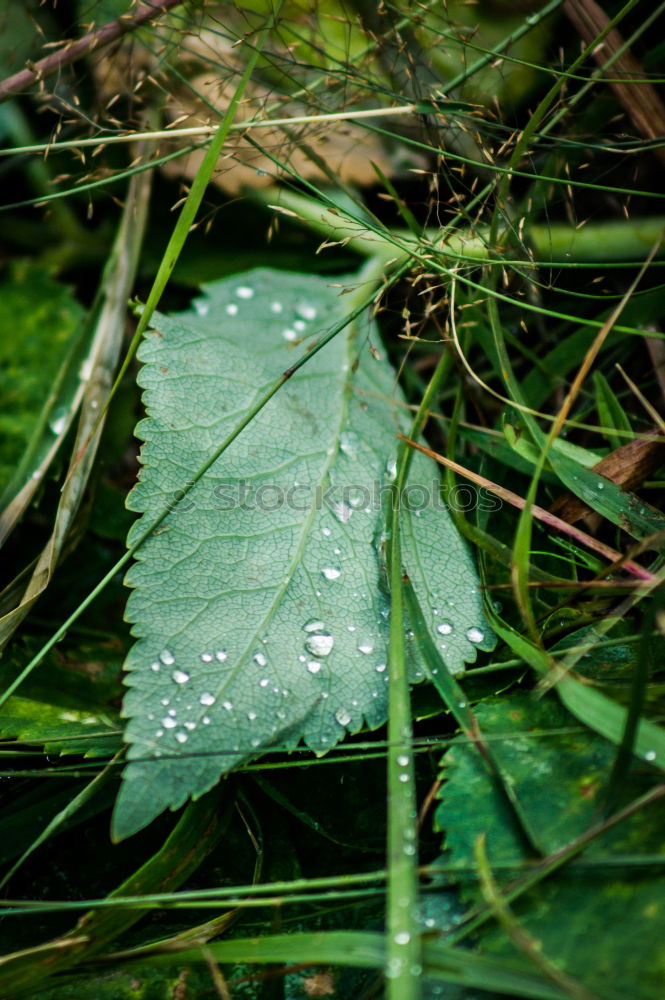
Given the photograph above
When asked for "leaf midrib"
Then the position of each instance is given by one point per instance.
(329, 460)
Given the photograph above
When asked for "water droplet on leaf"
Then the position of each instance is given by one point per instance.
(319, 644)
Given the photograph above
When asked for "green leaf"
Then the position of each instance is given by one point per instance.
(364, 949)
(600, 921)
(258, 603)
(59, 709)
(610, 411)
(59, 729)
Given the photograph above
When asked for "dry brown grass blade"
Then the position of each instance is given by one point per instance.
(104, 352)
(639, 99)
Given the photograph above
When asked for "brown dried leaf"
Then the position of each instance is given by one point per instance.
(627, 466)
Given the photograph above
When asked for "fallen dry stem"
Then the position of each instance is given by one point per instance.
(73, 50)
(538, 512)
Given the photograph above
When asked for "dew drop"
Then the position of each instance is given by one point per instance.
(394, 968)
(342, 716)
(207, 698)
(348, 443)
(202, 308)
(57, 423)
(391, 469)
(189, 725)
(402, 937)
(342, 511)
(168, 659)
(445, 628)
(180, 676)
(350, 628)
(600, 486)
(206, 657)
(331, 573)
(475, 635)
(403, 760)
(314, 625)
(650, 755)
(251, 716)
(264, 682)
(325, 532)
(244, 292)
(289, 334)
(319, 644)
(366, 648)
(314, 666)
(206, 720)
(165, 702)
(232, 309)
(155, 666)
(260, 659)
(403, 777)
(276, 307)
(181, 737)
(220, 656)
(299, 325)
(306, 310)
(228, 705)
(380, 667)
(169, 722)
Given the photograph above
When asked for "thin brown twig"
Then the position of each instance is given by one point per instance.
(538, 512)
(73, 50)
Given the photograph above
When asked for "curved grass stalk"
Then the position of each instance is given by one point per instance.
(403, 966)
(210, 130)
